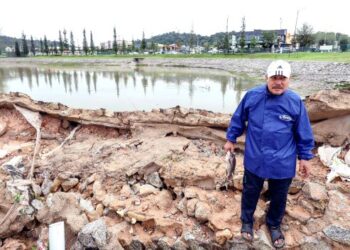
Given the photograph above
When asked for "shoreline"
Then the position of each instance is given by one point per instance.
(307, 77)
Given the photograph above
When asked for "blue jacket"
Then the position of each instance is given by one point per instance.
(277, 131)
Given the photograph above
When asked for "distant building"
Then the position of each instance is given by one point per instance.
(282, 37)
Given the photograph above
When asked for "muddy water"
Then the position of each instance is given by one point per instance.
(128, 89)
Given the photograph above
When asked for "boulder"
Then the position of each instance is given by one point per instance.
(202, 211)
(338, 234)
(327, 104)
(94, 235)
(334, 131)
(222, 236)
(317, 194)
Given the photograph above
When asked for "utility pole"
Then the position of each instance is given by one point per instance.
(295, 29)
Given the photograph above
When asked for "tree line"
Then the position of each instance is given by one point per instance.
(65, 45)
(304, 36)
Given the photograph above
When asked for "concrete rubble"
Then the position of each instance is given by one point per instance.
(155, 180)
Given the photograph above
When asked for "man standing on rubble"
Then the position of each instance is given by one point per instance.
(278, 132)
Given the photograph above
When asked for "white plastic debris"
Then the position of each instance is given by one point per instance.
(56, 236)
(329, 157)
(347, 158)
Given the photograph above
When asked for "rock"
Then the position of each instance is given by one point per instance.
(338, 234)
(56, 184)
(3, 128)
(298, 213)
(154, 180)
(259, 215)
(16, 221)
(99, 209)
(202, 211)
(164, 200)
(238, 182)
(317, 194)
(333, 131)
(147, 190)
(164, 243)
(13, 244)
(46, 186)
(190, 192)
(311, 243)
(65, 124)
(37, 190)
(91, 178)
(86, 205)
(92, 216)
(263, 241)
(37, 204)
(63, 206)
(180, 245)
(191, 206)
(136, 216)
(327, 104)
(126, 191)
(337, 211)
(99, 191)
(295, 186)
(14, 167)
(70, 183)
(219, 221)
(182, 205)
(222, 236)
(315, 225)
(94, 235)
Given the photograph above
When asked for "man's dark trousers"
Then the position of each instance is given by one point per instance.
(278, 191)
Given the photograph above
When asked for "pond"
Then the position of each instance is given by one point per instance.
(129, 89)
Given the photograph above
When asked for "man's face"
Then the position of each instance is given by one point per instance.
(277, 84)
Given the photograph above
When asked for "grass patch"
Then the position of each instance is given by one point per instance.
(296, 56)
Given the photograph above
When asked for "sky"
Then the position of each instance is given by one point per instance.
(154, 17)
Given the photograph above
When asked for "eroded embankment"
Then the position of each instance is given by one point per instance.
(154, 180)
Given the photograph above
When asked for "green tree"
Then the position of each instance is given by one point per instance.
(123, 47)
(17, 51)
(253, 42)
(72, 43)
(305, 36)
(143, 42)
(343, 43)
(154, 47)
(242, 35)
(192, 39)
(32, 45)
(92, 44)
(85, 44)
(55, 50)
(60, 42)
(115, 44)
(132, 45)
(41, 46)
(24, 45)
(65, 40)
(46, 46)
(268, 39)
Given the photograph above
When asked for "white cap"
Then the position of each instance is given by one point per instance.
(279, 68)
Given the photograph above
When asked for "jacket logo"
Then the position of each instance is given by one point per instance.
(286, 118)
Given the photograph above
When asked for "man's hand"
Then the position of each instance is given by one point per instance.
(229, 146)
(304, 168)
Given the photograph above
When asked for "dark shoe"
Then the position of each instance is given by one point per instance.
(247, 232)
(277, 237)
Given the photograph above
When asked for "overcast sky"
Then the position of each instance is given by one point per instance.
(131, 17)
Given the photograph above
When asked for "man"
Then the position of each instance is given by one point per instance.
(278, 132)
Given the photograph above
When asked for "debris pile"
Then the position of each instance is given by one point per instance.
(156, 180)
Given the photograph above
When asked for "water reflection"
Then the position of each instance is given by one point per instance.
(141, 89)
